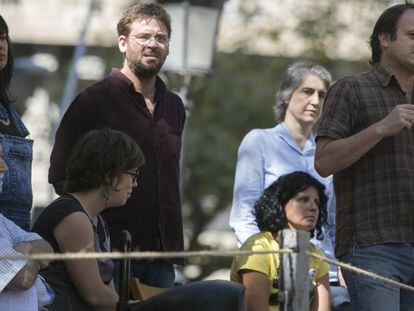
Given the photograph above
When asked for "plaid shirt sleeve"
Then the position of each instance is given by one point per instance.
(339, 112)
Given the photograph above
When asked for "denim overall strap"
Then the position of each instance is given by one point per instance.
(19, 123)
(16, 198)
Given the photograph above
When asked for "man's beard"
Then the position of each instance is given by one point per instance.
(141, 70)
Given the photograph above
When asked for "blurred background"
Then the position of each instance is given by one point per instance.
(226, 68)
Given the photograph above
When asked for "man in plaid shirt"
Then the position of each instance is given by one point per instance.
(366, 140)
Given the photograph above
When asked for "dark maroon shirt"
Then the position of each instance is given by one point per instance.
(153, 213)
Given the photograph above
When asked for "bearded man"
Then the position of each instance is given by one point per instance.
(135, 100)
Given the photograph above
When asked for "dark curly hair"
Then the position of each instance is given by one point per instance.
(269, 210)
(386, 23)
(98, 156)
(6, 72)
(143, 10)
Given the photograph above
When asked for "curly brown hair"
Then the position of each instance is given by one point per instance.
(269, 210)
(143, 10)
(99, 156)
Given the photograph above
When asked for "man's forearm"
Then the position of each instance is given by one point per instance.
(26, 277)
(35, 247)
(333, 155)
(41, 247)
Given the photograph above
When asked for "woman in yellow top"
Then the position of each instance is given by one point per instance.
(296, 201)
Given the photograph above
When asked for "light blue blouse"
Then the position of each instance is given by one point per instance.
(263, 156)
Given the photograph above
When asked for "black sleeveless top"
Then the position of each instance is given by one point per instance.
(66, 295)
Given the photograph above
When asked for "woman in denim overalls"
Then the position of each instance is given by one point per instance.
(16, 198)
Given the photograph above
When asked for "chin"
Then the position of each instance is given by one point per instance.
(308, 227)
(309, 121)
(122, 203)
(117, 203)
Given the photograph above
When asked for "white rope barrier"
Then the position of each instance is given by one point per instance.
(140, 255)
(362, 272)
(189, 254)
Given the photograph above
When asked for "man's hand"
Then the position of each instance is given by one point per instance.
(334, 155)
(400, 117)
(341, 279)
(26, 277)
(35, 247)
(24, 247)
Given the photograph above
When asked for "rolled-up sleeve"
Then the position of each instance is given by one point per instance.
(15, 233)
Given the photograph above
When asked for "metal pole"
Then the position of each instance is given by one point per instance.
(187, 8)
(184, 91)
(124, 288)
(295, 271)
(71, 81)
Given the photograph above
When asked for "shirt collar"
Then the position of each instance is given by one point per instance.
(284, 134)
(383, 75)
(160, 86)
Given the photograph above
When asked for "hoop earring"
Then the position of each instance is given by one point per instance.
(106, 195)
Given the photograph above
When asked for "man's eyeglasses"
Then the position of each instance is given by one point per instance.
(134, 176)
(145, 39)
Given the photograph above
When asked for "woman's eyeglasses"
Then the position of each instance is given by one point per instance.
(134, 176)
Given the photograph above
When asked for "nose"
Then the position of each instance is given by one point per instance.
(3, 42)
(153, 43)
(134, 183)
(314, 99)
(313, 205)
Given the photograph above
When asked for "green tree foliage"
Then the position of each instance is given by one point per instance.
(323, 24)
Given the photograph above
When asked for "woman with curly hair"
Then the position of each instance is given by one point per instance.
(101, 173)
(295, 201)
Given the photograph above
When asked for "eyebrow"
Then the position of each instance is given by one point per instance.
(304, 195)
(308, 88)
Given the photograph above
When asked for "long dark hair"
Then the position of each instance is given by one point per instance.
(269, 210)
(6, 72)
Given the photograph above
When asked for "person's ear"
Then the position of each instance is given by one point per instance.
(122, 44)
(384, 39)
